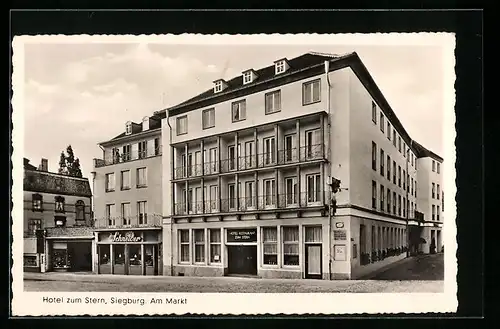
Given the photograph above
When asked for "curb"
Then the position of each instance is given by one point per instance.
(381, 270)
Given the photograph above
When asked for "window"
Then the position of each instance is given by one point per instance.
(412, 159)
(394, 137)
(125, 179)
(313, 144)
(231, 192)
(394, 203)
(218, 86)
(438, 167)
(382, 201)
(404, 150)
(215, 249)
(126, 212)
(408, 182)
(270, 192)
(273, 102)
(270, 245)
(238, 110)
(142, 178)
(433, 165)
(399, 205)
(269, 150)
(404, 206)
(80, 210)
(110, 182)
(437, 212)
(399, 176)
(404, 180)
(128, 128)
(291, 190)
(184, 248)
(37, 202)
(411, 211)
(313, 188)
(142, 211)
(199, 246)
(433, 212)
(157, 146)
(311, 92)
(374, 112)
(182, 125)
(382, 122)
(389, 168)
(59, 203)
(247, 77)
(143, 149)
(394, 172)
(388, 200)
(374, 156)
(126, 152)
(208, 118)
(415, 189)
(382, 157)
(110, 214)
(280, 67)
(433, 190)
(249, 194)
(313, 234)
(388, 130)
(399, 144)
(290, 151)
(291, 245)
(374, 194)
(34, 225)
(411, 186)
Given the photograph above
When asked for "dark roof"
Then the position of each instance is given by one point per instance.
(423, 152)
(46, 182)
(266, 73)
(27, 165)
(154, 123)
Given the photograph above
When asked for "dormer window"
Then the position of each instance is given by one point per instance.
(218, 86)
(247, 77)
(280, 66)
(128, 128)
(145, 123)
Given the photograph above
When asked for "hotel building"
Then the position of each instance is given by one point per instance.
(127, 185)
(58, 232)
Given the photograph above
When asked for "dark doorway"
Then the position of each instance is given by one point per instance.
(242, 260)
(80, 254)
(313, 261)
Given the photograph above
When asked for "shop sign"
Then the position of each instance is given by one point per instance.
(340, 252)
(340, 235)
(128, 237)
(242, 235)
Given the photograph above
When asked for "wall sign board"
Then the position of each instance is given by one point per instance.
(340, 252)
(242, 235)
(340, 235)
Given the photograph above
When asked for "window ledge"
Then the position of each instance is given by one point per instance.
(141, 186)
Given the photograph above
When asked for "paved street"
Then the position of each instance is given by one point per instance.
(428, 277)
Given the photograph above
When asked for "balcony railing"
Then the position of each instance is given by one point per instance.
(125, 157)
(256, 203)
(262, 160)
(146, 220)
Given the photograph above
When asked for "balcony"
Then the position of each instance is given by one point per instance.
(126, 157)
(142, 221)
(291, 156)
(249, 204)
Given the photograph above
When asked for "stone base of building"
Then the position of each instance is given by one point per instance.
(277, 274)
(31, 269)
(180, 270)
(338, 276)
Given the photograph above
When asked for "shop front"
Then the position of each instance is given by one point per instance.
(134, 252)
(68, 249)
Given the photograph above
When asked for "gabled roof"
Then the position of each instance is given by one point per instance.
(154, 123)
(423, 152)
(46, 182)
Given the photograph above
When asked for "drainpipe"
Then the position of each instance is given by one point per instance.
(171, 198)
(329, 155)
(407, 219)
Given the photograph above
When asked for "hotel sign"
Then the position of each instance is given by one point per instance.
(128, 237)
(242, 235)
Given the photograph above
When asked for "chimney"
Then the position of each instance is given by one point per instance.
(44, 165)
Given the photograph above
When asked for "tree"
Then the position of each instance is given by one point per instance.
(77, 171)
(70, 159)
(62, 164)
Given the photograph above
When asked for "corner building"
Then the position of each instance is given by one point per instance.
(246, 179)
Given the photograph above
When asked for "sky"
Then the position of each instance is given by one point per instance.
(82, 94)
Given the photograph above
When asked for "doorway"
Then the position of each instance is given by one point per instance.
(242, 260)
(313, 261)
(80, 254)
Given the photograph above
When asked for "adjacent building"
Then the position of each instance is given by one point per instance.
(58, 232)
(249, 165)
(127, 185)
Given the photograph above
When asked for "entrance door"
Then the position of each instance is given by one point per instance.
(80, 254)
(313, 261)
(242, 260)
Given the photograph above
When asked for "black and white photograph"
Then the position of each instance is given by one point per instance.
(175, 174)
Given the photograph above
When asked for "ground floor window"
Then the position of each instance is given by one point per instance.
(60, 259)
(184, 245)
(215, 246)
(30, 260)
(291, 245)
(199, 246)
(104, 254)
(313, 234)
(270, 245)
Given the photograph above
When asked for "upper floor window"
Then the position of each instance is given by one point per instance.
(374, 156)
(438, 167)
(394, 137)
(59, 204)
(280, 67)
(238, 111)
(218, 86)
(311, 92)
(182, 125)
(34, 225)
(128, 128)
(388, 130)
(80, 210)
(433, 190)
(208, 118)
(273, 102)
(157, 146)
(110, 182)
(382, 122)
(404, 150)
(433, 165)
(143, 149)
(125, 179)
(382, 156)
(247, 77)
(388, 167)
(438, 192)
(37, 202)
(142, 179)
(374, 194)
(374, 112)
(110, 214)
